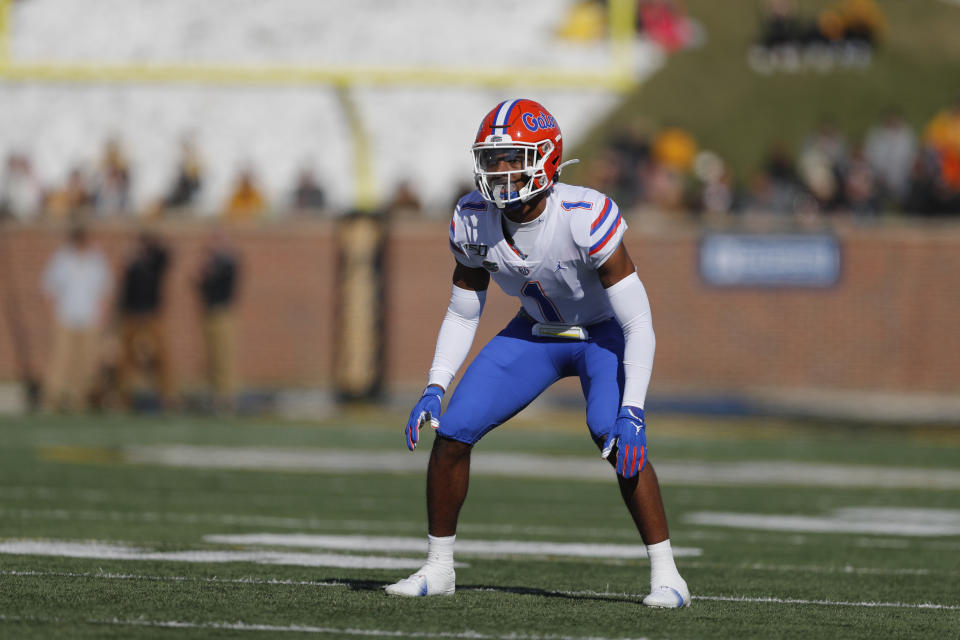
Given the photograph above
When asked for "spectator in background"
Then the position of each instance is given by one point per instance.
(780, 24)
(606, 171)
(943, 136)
(459, 190)
(767, 196)
(77, 283)
(673, 151)
(821, 178)
(21, 194)
(828, 140)
(860, 194)
(143, 340)
(217, 284)
(891, 150)
(404, 203)
(847, 33)
(775, 189)
(840, 34)
(926, 196)
(632, 155)
(666, 23)
(308, 197)
(586, 21)
(111, 193)
(188, 180)
(246, 203)
(70, 201)
(863, 22)
(822, 163)
(782, 39)
(716, 194)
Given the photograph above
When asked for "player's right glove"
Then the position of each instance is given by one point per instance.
(426, 410)
(629, 435)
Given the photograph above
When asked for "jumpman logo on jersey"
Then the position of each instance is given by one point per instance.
(559, 267)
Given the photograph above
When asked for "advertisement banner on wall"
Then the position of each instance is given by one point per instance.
(775, 260)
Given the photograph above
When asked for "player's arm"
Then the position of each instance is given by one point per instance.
(471, 278)
(630, 305)
(617, 267)
(459, 324)
(456, 335)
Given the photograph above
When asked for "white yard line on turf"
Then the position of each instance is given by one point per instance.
(259, 548)
(894, 521)
(797, 568)
(465, 547)
(832, 603)
(301, 628)
(587, 467)
(113, 551)
(599, 532)
(306, 523)
(205, 518)
(595, 594)
(149, 578)
(52, 493)
(772, 600)
(376, 633)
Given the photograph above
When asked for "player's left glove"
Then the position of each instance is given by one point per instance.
(629, 435)
(427, 410)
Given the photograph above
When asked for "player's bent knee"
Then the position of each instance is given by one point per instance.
(447, 449)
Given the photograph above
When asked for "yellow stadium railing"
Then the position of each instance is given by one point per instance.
(6, 11)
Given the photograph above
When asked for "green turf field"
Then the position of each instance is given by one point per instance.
(134, 527)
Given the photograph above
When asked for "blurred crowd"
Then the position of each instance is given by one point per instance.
(664, 22)
(893, 169)
(102, 190)
(842, 34)
(109, 347)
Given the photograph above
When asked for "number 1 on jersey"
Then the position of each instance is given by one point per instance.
(532, 289)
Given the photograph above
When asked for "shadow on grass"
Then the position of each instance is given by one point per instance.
(378, 585)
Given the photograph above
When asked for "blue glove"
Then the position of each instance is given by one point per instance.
(426, 410)
(629, 435)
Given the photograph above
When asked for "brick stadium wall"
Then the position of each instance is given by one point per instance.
(285, 306)
(890, 325)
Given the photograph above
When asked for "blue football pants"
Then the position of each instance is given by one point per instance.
(515, 367)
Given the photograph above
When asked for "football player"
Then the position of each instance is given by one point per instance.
(584, 312)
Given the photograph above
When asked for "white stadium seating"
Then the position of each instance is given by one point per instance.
(421, 133)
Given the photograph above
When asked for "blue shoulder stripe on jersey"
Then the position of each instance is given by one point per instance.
(474, 206)
(606, 237)
(583, 204)
(602, 218)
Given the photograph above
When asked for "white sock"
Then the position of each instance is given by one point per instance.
(440, 550)
(663, 570)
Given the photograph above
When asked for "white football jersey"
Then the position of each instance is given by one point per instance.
(553, 260)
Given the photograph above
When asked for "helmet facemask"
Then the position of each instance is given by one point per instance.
(499, 164)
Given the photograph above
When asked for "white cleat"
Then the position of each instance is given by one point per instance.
(665, 597)
(428, 581)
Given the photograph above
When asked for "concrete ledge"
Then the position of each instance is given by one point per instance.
(821, 404)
